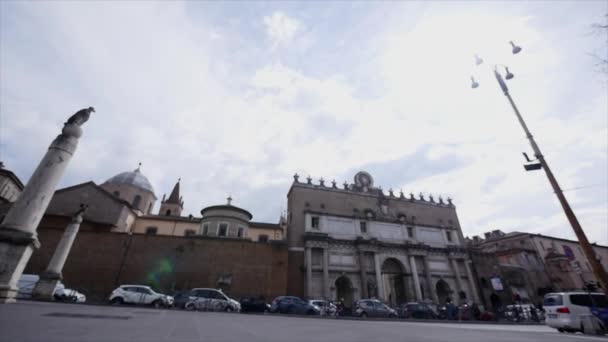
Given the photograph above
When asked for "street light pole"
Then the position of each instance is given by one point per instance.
(596, 266)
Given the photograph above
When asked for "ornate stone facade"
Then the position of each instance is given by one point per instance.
(358, 242)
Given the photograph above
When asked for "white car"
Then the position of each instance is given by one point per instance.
(68, 295)
(565, 311)
(139, 294)
(205, 299)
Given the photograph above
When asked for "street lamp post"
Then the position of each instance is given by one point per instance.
(596, 266)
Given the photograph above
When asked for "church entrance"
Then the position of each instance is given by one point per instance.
(394, 285)
(344, 291)
(444, 292)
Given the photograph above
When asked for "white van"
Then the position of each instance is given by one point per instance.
(564, 310)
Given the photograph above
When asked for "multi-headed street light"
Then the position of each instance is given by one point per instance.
(598, 270)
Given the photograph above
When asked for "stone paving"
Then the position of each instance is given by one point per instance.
(36, 321)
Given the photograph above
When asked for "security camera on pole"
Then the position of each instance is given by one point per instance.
(18, 237)
(540, 162)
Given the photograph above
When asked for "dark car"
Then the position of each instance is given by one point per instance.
(293, 305)
(181, 298)
(251, 304)
(416, 310)
(373, 308)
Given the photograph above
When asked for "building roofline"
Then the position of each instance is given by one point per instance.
(265, 225)
(295, 184)
(14, 177)
(518, 234)
(102, 190)
(226, 207)
(171, 218)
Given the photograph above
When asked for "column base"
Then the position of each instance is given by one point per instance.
(45, 288)
(16, 248)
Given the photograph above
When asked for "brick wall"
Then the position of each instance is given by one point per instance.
(99, 261)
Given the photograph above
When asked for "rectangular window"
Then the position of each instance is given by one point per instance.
(189, 232)
(223, 229)
(151, 231)
(206, 229)
(448, 235)
(363, 226)
(410, 232)
(263, 238)
(240, 232)
(315, 222)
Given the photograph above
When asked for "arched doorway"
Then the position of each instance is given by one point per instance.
(394, 286)
(344, 291)
(443, 290)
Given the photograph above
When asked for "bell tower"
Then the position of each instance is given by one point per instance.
(173, 205)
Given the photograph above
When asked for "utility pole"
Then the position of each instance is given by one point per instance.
(596, 266)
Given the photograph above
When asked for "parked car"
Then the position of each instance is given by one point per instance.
(180, 298)
(373, 308)
(327, 308)
(139, 294)
(416, 310)
(27, 283)
(293, 305)
(68, 295)
(252, 304)
(204, 299)
(564, 310)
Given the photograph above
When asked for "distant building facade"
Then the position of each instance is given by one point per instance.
(527, 266)
(355, 241)
(10, 185)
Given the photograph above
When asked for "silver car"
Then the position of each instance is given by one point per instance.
(204, 299)
(373, 308)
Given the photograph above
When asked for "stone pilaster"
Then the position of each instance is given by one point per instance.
(458, 279)
(326, 292)
(364, 292)
(379, 282)
(414, 269)
(429, 280)
(471, 281)
(309, 272)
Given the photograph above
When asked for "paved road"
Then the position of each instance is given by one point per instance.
(54, 322)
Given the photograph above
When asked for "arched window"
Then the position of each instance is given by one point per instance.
(168, 212)
(116, 193)
(136, 201)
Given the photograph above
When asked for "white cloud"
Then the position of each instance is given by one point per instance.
(281, 28)
(167, 95)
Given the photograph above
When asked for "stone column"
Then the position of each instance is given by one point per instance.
(326, 293)
(309, 272)
(379, 283)
(429, 280)
(458, 279)
(45, 288)
(414, 269)
(471, 281)
(18, 237)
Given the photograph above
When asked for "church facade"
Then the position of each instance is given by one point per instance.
(355, 241)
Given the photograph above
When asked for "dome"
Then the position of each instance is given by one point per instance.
(133, 178)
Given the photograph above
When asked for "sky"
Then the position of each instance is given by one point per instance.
(236, 97)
